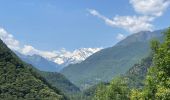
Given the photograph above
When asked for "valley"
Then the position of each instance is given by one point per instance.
(84, 50)
(130, 60)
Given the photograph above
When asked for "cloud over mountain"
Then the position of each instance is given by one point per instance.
(9, 39)
(60, 57)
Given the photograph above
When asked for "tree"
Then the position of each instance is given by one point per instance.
(157, 85)
(116, 90)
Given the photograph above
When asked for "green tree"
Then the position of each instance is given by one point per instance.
(157, 85)
(116, 90)
(101, 91)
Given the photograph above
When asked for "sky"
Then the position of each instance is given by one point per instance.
(50, 25)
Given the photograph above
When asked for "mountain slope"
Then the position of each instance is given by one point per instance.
(18, 81)
(60, 81)
(111, 62)
(40, 63)
(48, 71)
(137, 74)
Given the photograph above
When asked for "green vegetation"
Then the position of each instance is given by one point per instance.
(61, 82)
(157, 82)
(133, 79)
(87, 94)
(116, 90)
(111, 62)
(53, 78)
(136, 75)
(18, 81)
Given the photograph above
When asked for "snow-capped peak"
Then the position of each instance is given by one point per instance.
(64, 57)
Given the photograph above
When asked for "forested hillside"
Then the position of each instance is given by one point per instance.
(157, 80)
(113, 61)
(133, 79)
(157, 83)
(61, 82)
(19, 82)
(135, 76)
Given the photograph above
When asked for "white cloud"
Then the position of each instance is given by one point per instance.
(94, 12)
(150, 7)
(133, 23)
(9, 39)
(149, 10)
(14, 44)
(130, 23)
(120, 37)
(29, 50)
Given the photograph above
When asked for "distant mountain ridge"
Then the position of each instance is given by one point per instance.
(141, 37)
(110, 62)
(40, 62)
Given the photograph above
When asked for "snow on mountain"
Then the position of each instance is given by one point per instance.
(64, 57)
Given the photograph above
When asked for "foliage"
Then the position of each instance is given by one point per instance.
(55, 79)
(87, 94)
(157, 85)
(19, 82)
(116, 90)
(135, 76)
(61, 82)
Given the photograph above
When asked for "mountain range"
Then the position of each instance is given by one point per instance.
(86, 67)
(40, 62)
(111, 62)
(62, 59)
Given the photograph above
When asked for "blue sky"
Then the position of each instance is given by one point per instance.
(54, 24)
